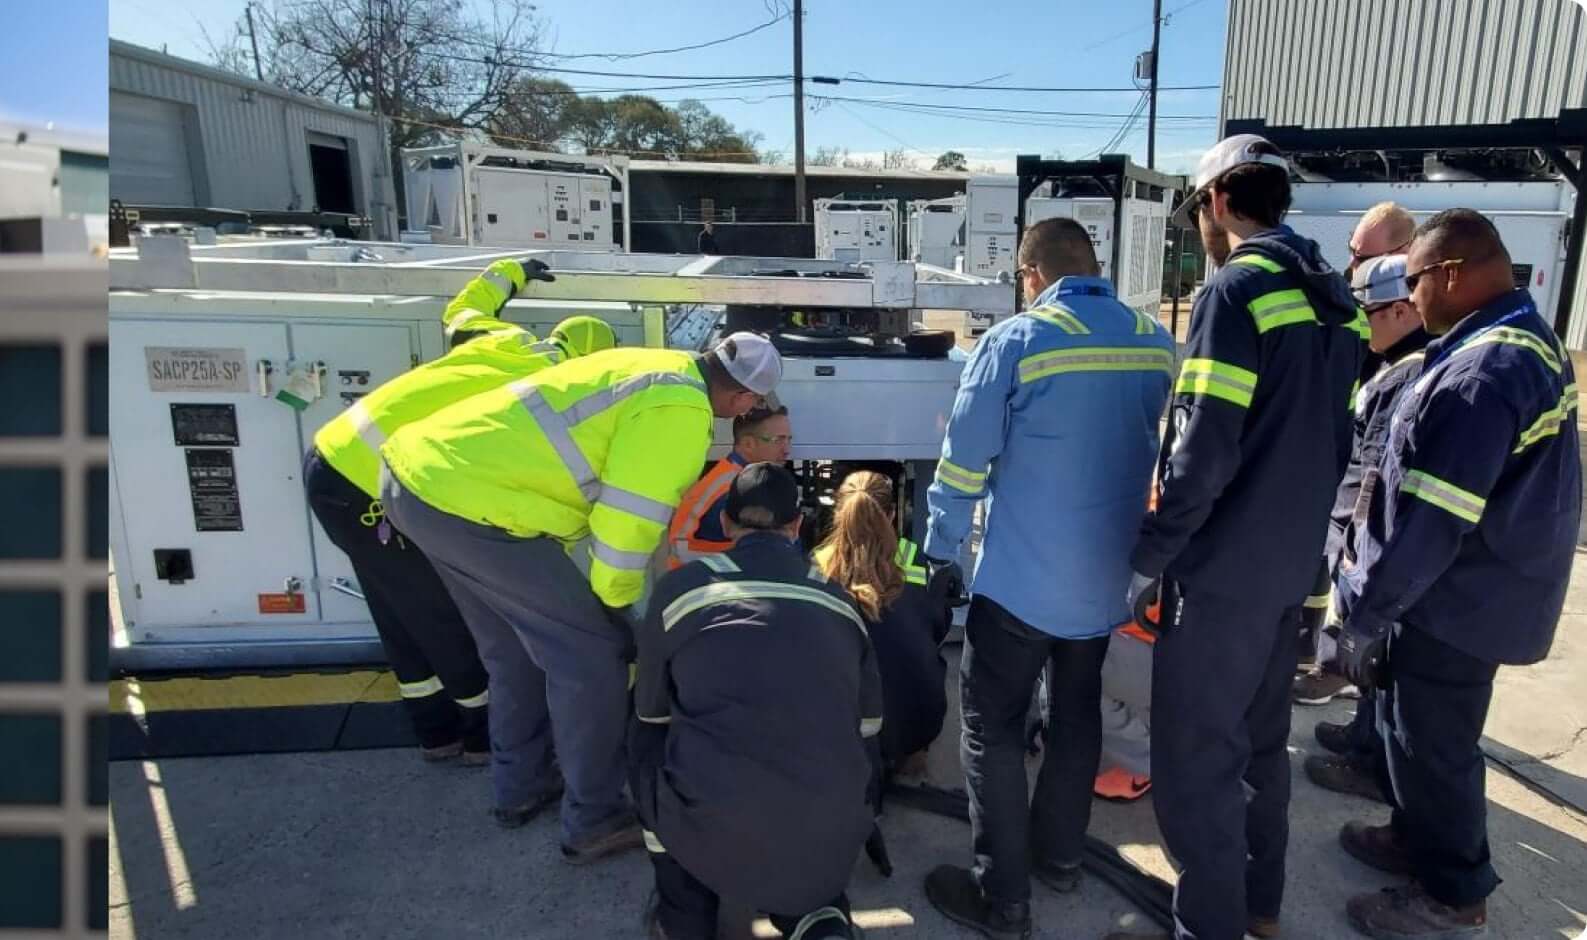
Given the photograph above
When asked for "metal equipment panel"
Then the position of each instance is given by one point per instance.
(510, 207)
(358, 358)
(222, 505)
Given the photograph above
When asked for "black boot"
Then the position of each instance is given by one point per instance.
(953, 891)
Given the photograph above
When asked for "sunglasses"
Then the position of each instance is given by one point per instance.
(1197, 203)
(774, 438)
(1415, 276)
(1379, 308)
(1357, 256)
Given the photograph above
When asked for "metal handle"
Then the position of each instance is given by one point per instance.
(345, 586)
(264, 367)
(292, 585)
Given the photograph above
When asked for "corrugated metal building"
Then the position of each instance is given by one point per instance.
(1403, 63)
(1420, 76)
(752, 204)
(185, 134)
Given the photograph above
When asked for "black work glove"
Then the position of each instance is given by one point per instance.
(536, 270)
(1143, 592)
(1363, 656)
(945, 581)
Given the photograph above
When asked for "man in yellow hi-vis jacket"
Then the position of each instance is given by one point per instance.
(438, 670)
(516, 491)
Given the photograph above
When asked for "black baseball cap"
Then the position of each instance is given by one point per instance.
(768, 487)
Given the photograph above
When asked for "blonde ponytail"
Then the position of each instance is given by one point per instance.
(860, 552)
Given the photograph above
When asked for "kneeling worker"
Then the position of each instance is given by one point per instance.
(757, 691)
(438, 669)
(496, 489)
(761, 434)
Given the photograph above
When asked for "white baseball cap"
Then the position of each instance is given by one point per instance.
(1380, 280)
(1224, 156)
(752, 360)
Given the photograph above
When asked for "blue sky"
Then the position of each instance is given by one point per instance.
(53, 65)
(1065, 44)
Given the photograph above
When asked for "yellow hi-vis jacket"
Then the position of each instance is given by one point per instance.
(497, 352)
(602, 446)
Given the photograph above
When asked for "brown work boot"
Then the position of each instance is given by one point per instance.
(1352, 775)
(1409, 913)
(1262, 928)
(1320, 687)
(441, 752)
(1376, 846)
(628, 836)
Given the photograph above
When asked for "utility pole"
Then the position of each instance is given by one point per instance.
(253, 40)
(799, 111)
(1151, 114)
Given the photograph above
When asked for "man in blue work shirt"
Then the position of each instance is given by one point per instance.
(1397, 343)
(1258, 440)
(1462, 566)
(1056, 423)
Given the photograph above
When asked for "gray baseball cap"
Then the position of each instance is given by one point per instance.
(1224, 156)
(1380, 280)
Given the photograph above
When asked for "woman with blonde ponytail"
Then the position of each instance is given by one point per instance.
(865, 555)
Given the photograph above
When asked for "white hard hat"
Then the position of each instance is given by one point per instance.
(752, 360)
(1380, 280)
(1224, 156)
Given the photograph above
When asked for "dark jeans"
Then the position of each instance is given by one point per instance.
(1003, 657)
(1221, 679)
(421, 630)
(688, 908)
(1432, 718)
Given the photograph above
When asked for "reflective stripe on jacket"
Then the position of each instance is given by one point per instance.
(351, 441)
(603, 446)
(1260, 426)
(1055, 424)
(685, 537)
(1473, 512)
(473, 312)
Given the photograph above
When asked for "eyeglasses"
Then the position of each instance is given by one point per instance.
(1197, 203)
(773, 438)
(1357, 256)
(1413, 277)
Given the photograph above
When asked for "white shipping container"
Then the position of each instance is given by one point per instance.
(856, 230)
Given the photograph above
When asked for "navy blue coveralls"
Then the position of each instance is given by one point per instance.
(1464, 560)
(1258, 439)
(1399, 366)
(757, 702)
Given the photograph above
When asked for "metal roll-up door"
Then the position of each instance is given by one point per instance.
(149, 163)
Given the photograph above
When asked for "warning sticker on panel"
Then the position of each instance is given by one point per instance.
(197, 369)
(282, 604)
(212, 481)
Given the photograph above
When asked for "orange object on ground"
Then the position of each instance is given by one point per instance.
(1121, 786)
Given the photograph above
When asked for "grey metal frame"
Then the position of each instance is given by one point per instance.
(170, 263)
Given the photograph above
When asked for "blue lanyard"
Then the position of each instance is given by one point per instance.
(1446, 353)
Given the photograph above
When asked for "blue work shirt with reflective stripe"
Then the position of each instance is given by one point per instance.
(1055, 425)
(1473, 517)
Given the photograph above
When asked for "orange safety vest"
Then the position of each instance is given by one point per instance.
(683, 535)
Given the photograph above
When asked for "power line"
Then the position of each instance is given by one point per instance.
(1146, 25)
(967, 107)
(904, 84)
(1010, 121)
(609, 56)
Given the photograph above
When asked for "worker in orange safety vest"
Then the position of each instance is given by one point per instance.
(761, 435)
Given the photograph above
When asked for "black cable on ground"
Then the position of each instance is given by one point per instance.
(1517, 771)
(1153, 895)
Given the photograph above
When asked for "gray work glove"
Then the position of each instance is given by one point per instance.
(1143, 592)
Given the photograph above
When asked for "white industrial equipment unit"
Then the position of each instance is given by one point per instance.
(1125, 209)
(991, 224)
(856, 229)
(936, 230)
(1532, 217)
(473, 194)
(218, 561)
